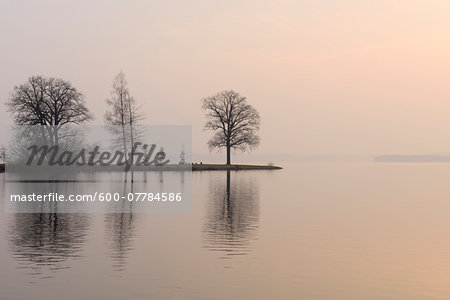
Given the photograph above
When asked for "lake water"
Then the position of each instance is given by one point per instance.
(358, 230)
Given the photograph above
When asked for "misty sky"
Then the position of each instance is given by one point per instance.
(328, 77)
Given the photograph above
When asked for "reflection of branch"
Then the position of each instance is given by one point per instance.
(47, 240)
(232, 215)
(120, 228)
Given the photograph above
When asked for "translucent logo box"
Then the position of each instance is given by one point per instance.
(98, 169)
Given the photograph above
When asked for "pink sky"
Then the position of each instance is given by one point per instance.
(328, 77)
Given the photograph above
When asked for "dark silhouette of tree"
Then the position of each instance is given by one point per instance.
(123, 114)
(234, 121)
(51, 102)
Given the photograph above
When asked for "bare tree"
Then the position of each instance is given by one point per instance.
(50, 102)
(123, 112)
(234, 121)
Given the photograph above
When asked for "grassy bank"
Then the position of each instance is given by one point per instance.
(218, 167)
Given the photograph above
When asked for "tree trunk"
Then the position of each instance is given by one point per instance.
(132, 149)
(131, 132)
(125, 153)
(122, 122)
(228, 155)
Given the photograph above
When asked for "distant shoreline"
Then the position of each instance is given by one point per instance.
(412, 158)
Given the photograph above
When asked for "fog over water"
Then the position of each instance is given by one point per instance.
(313, 230)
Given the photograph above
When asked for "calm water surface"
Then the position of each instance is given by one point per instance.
(309, 231)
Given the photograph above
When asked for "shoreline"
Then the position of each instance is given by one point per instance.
(207, 167)
(232, 167)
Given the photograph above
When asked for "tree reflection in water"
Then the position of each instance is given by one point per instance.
(45, 242)
(120, 228)
(232, 214)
